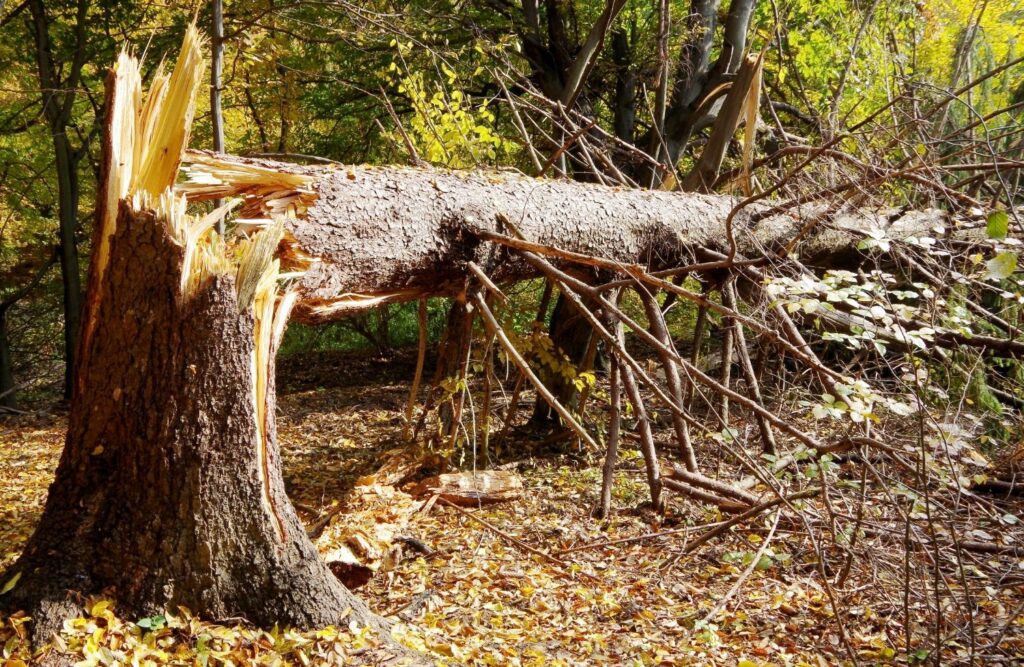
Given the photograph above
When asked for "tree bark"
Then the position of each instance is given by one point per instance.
(734, 35)
(163, 491)
(67, 183)
(691, 77)
(624, 107)
(216, 68)
(389, 234)
(452, 369)
(705, 172)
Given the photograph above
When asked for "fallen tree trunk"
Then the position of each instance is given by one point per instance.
(381, 234)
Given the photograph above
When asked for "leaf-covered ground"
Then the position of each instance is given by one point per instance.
(480, 599)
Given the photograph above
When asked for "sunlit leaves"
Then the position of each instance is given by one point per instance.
(997, 225)
(1001, 266)
(11, 583)
(103, 637)
(447, 125)
(875, 239)
(889, 311)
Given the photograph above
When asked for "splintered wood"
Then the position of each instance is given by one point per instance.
(366, 538)
(268, 192)
(148, 136)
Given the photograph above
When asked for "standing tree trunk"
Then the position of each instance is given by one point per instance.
(58, 104)
(451, 372)
(169, 490)
(164, 491)
(7, 398)
(67, 184)
(217, 65)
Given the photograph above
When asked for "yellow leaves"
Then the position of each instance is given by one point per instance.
(877, 648)
(448, 127)
(584, 380)
(450, 74)
(102, 638)
(452, 386)
(102, 608)
(29, 454)
(538, 348)
(1001, 24)
(11, 583)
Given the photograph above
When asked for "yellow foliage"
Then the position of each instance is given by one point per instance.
(448, 127)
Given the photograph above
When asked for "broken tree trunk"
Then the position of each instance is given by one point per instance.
(382, 234)
(165, 491)
(169, 490)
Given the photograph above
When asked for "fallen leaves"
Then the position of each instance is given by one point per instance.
(478, 598)
(29, 450)
(101, 637)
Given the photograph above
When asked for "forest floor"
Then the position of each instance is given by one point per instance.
(480, 599)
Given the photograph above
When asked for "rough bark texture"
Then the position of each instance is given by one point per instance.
(401, 233)
(406, 232)
(452, 365)
(161, 494)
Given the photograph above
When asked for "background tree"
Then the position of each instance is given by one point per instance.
(59, 82)
(53, 107)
